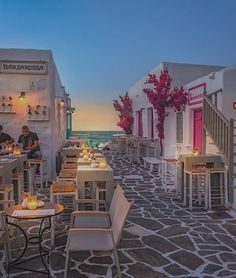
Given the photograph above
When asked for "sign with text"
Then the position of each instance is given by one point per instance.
(195, 94)
(24, 67)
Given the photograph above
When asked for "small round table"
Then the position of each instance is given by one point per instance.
(46, 212)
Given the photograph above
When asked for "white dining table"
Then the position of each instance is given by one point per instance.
(21, 160)
(10, 166)
(86, 173)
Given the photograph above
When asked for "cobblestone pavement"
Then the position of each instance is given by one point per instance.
(161, 237)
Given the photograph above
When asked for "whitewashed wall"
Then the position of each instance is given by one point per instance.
(181, 74)
(224, 80)
(229, 92)
(47, 88)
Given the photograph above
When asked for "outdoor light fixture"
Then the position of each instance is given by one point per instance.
(70, 110)
(234, 105)
(22, 96)
(62, 102)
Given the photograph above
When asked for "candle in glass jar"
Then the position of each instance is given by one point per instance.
(102, 163)
(32, 202)
(86, 156)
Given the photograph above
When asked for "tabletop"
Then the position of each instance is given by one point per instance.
(86, 168)
(51, 209)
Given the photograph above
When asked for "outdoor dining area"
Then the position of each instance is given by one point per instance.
(86, 177)
(200, 179)
(83, 223)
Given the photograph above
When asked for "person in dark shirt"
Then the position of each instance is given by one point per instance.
(4, 137)
(30, 141)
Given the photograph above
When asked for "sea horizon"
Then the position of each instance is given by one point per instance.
(97, 136)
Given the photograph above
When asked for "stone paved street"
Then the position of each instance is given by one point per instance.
(161, 237)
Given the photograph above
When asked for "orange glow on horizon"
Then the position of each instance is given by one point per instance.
(94, 117)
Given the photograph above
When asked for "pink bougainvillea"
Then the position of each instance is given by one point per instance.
(124, 108)
(161, 96)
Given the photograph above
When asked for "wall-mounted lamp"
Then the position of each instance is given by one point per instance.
(70, 110)
(22, 96)
(212, 75)
(62, 102)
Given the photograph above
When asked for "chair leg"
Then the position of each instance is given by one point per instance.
(8, 245)
(66, 263)
(116, 258)
(5, 251)
(52, 233)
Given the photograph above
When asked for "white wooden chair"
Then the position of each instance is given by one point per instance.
(134, 150)
(4, 235)
(98, 230)
(153, 148)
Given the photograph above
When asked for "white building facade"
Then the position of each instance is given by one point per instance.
(31, 93)
(191, 128)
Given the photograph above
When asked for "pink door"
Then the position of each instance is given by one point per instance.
(139, 123)
(150, 123)
(197, 129)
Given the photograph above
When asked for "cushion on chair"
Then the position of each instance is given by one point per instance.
(92, 221)
(200, 170)
(70, 173)
(71, 165)
(87, 240)
(57, 187)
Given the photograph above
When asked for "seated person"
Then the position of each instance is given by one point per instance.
(4, 137)
(30, 141)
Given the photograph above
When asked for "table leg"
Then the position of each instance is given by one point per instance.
(31, 240)
(109, 191)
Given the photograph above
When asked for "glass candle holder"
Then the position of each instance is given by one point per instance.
(86, 156)
(32, 202)
(102, 163)
(17, 151)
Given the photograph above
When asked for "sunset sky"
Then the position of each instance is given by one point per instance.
(101, 47)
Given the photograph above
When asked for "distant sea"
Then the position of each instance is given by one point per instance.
(97, 137)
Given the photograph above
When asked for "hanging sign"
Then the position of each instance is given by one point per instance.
(24, 67)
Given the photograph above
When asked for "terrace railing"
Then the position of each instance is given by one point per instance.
(221, 131)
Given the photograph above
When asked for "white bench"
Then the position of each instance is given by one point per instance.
(151, 161)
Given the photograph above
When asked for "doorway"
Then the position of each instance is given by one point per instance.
(150, 123)
(197, 129)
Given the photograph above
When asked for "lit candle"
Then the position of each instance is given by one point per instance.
(102, 163)
(17, 151)
(32, 202)
(86, 156)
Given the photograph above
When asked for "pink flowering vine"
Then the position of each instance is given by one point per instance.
(161, 96)
(124, 108)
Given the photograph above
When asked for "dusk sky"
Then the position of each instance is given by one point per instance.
(101, 47)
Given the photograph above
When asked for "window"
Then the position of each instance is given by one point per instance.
(179, 127)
